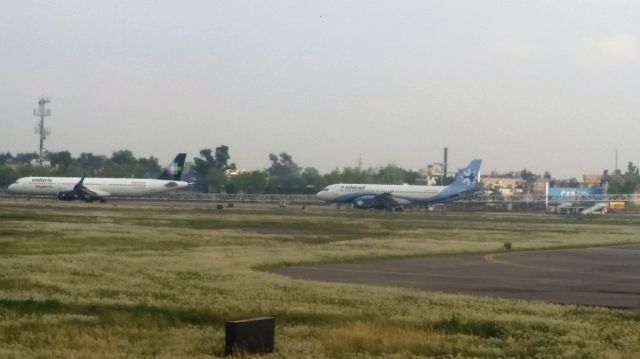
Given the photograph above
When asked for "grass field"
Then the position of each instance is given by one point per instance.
(146, 280)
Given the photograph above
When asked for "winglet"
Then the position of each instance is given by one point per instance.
(77, 189)
(80, 183)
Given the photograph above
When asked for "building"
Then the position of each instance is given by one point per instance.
(431, 175)
(591, 180)
(506, 186)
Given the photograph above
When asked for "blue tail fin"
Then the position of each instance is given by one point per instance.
(173, 172)
(469, 177)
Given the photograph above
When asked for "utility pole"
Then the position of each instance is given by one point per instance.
(445, 165)
(40, 129)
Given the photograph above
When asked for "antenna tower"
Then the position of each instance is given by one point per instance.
(445, 164)
(40, 129)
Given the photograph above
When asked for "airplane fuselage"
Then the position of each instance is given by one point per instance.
(382, 196)
(105, 187)
(402, 194)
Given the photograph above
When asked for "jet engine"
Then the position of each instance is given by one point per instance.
(66, 196)
(363, 202)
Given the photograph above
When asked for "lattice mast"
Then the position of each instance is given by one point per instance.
(42, 112)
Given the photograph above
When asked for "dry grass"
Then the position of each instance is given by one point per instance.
(131, 280)
(377, 338)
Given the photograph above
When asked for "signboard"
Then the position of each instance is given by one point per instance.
(572, 193)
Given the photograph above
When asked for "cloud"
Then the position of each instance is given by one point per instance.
(608, 50)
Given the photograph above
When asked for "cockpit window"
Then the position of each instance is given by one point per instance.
(326, 189)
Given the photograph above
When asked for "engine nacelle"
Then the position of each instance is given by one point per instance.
(66, 196)
(363, 202)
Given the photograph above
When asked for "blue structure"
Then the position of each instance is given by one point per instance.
(568, 193)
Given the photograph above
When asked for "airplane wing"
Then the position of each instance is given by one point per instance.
(380, 201)
(92, 193)
(384, 201)
(86, 194)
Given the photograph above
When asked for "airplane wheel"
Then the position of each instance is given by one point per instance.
(103, 200)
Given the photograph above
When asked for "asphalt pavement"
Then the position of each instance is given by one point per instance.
(602, 276)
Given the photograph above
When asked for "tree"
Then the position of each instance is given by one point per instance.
(356, 175)
(222, 159)
(7, 176)
(285, 184)
(6, 158)
(284, 175)
(529, 178)
(616, 183)
(90, 164)
(632, 170)
(150, 166)
(29, 170)
(201, 168)
(217, 180)
(312, 180)
(123, 158)
(528, 175)
(411, 177)
(547, 177)
(204, 167)
(629, 182)
(391, 174)
(62, 162)
(250, 182)
(631, 179)
(283, 166)
(122, 164)
(219, 159)
(112, 169)
(332, 177)
(25, 158)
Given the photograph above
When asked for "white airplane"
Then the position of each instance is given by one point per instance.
(382, 196)
(92, 189)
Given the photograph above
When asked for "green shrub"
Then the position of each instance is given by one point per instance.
(481, 328)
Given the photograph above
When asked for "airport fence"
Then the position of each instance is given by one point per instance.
(311, 199)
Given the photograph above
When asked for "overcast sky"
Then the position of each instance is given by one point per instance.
(546, 85)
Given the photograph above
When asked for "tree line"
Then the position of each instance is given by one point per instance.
(213, 172)
(627, 182)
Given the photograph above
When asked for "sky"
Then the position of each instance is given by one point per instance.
(542, 85)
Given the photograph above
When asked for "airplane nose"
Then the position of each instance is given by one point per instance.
(11, 188)
(323, 195)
